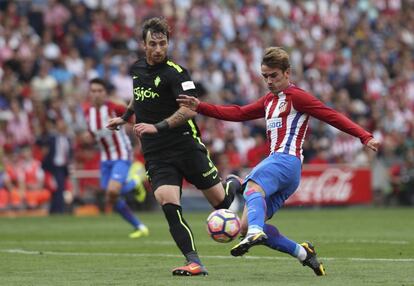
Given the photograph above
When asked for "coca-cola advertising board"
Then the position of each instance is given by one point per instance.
(332, 185)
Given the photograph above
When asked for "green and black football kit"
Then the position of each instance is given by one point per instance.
(174, 153)
(178, 152)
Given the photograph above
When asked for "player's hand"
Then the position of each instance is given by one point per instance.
(113, 123)
(190, 102)
(144, 128)
(373, 144)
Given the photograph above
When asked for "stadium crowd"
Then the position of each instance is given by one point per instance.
(355, 55)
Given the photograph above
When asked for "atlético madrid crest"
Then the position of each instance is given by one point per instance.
(282, 106)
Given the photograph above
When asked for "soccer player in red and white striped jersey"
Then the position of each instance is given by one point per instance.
(116, 153)
(113, 145)
(287, 110)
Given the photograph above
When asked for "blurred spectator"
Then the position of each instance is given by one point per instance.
(123, 83)
(5, 182)
(258, 152)
(321, 157)
(233, 157)
(43, 85)
(18, 126)
(57, 157)
(32, 181)
(244, 143)
(74, 63)
(406, 177)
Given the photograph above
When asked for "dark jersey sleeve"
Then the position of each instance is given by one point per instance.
(181, 82)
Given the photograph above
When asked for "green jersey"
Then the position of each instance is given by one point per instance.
(156, 89)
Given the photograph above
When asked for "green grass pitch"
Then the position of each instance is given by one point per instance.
(359, 246)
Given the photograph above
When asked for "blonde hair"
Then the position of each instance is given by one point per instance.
(276, 57)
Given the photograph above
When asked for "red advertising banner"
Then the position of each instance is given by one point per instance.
(332, 185)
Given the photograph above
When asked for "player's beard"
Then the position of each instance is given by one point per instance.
(158, 58)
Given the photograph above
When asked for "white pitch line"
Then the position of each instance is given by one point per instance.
(37, 252)
(93, 242)
(170, 242)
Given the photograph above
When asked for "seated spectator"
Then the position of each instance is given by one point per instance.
(257, 153)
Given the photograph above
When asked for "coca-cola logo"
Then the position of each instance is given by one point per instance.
(332, 185)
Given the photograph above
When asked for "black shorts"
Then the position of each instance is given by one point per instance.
(196, 167)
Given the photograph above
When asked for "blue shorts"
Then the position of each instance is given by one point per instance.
(2, 178)
(279, 176)
(116, 170)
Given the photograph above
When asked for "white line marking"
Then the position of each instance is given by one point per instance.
(170, 242)
(36, 252)
(91, 242)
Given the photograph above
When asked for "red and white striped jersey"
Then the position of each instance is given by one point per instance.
(287, 117)
(114, 145)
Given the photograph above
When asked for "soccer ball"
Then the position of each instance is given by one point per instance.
(223, 225)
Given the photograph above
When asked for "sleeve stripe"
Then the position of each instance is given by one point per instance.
(174, 65)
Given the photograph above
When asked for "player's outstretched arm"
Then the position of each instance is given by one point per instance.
(178, 118)
(234, 113)
(113, 123)
(190, 102)
(373, 144)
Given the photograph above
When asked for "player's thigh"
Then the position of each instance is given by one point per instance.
(166, 181)
(114, 188)
(105, 169)
(252, 186)
(277, 200)
(199, 170)
(168, 194)
(266, 175)
(277, 172)
(119, 172)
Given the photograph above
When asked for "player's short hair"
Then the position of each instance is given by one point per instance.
(100, 82)
(155, 25)
(276, 57)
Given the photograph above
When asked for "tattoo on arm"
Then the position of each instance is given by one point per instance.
(178, 118)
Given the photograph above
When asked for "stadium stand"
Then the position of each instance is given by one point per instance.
(357, 56)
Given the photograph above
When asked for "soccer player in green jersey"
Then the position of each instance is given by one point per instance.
(170, 139)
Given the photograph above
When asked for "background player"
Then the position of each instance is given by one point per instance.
(116, 154)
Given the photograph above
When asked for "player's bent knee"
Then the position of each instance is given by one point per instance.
(252, 192)
(112, 195)
(167, 194)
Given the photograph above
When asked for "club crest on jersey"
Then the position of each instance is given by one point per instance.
(273, 123)
(282, 106)
(157, 81)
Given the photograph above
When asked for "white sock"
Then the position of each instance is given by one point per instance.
(301, 253)
(254, 229)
